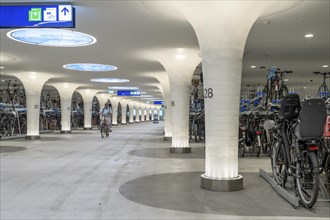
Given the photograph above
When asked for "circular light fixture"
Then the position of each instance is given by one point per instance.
(51, 37)
(325, 66)
(309, 35)
(109, 80)
(91, 67)
(252, 67)
(123, 88)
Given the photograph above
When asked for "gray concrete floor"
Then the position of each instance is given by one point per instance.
(129, 175)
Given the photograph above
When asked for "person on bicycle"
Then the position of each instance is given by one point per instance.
(106, 112)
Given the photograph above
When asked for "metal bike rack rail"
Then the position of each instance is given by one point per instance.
(293, 200)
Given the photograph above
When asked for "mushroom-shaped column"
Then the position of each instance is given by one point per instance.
(180, 64)
(148, 113)
(123, 104)
(143, 110)
(103, 98)
(33, 83)
(66, 91)
(222, 28)
(152, 112)
(131, 116)
(137, 112)
(114, 102)
(87, 95)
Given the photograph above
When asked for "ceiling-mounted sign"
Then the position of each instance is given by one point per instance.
(160, 102)
(128, 93)
(34, 16)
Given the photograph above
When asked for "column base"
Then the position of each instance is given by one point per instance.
(65, 132)
(131, 122)
(180, 150)
(32, 137)
(123, 123)
(167, 138)
(222, 185)
(115, 125)
(87, 128)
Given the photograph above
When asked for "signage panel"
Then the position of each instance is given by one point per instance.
(34, 16)
(128, 93)
(160, 102)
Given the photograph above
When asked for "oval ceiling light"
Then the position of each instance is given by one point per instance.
(51, 37)
(253, 67)
(123, 88)
(109, 80)
(309, 35)
(325, 66)
(91, 67)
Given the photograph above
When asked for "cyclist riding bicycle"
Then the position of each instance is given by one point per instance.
(106, 112)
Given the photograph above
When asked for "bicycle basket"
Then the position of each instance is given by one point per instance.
(311, 119)
(290, 107)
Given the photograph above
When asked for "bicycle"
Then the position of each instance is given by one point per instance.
(297, 139)
(323, 91)
(14, 94)
(104, 127)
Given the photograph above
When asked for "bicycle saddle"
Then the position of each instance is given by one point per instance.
(290, 107)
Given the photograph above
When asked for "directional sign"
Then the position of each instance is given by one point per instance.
(128, 93)
(160, 102)
(34, 16)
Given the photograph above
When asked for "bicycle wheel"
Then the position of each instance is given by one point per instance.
(278, 163)
(102, 131)
(327, 173)
(283, 91)
(195, 131)
(308, 179)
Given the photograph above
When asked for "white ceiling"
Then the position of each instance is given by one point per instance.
(123, 28)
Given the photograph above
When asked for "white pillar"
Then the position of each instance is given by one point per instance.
(131, 117)
(180, 64)
(87, 95)
(143, 108)
(114, 102)
(168, 116)
(33, 83)
(137, 110)
(148, 113)
(152, 113)
(222, 28)
(123, 104)
(66, 91)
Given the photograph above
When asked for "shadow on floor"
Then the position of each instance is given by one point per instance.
(10, 149)
(197, 153)
(182, 192)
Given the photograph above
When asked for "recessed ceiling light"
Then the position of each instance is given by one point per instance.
(304, 87)
(1, 67)
(111, 92)
(325, 66)
(150, 98)
(109, 80)
(123, 88)
(252, 67)
(51, 37)
(286, 80)
(180, 56)
(309, 35)
(91, 67)
(266, 22)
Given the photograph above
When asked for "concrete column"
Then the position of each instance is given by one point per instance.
(168, 115)
(33, 83)
(131, 107)
(114, 102)
(103, 98)
(66, 91)
(148, 113)
(152, 113)
(179, 64)
(137, 110)
(123, 103)
(87, 95)
(222, 28)
(143, 108)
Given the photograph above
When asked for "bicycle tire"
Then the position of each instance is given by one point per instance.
(307, 170)
(102, 131)
(283, 91)
(327, 173)
(278, 163)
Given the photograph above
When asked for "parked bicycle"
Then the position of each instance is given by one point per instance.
(323, 91)
(298, 137)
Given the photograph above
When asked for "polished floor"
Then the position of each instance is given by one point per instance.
(129, 175)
